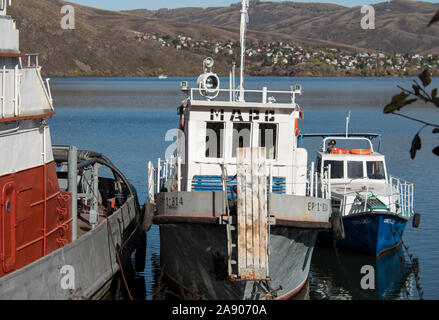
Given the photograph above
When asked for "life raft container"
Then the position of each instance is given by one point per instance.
(361, 151)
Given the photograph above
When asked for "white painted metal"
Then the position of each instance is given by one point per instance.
(244, 17)
(159, 168)
(3, 86)
(23, 92)
(16, 113)
(151, 182)
(394, 193)
(178, 174)
(311, 180)
(25, 144)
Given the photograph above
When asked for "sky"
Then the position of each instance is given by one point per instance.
(157, 4)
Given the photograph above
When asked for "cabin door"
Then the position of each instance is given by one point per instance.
(8, 208)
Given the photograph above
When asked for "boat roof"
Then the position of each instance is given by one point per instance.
(349, 156)
(369, 136)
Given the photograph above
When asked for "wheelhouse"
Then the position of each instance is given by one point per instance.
(348, 165)
(214, 130)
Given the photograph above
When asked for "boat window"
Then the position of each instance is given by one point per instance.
(355, 169)
(375, 170)
(336, 168)
(268, 139)
(214, 139)
(241, 136)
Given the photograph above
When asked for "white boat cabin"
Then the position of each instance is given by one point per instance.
(215, 128)
(359, 179)
(352, 165)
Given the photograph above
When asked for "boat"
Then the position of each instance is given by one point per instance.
(163, 77)
(374, 205)
(232, 197)
(66, 229)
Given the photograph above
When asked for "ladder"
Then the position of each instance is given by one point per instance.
(248, 242)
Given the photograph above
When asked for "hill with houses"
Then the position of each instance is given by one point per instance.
(285, 39)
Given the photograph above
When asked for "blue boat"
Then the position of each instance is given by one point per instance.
(373, 206)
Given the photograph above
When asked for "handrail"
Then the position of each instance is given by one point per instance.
(402, 204)
(346, 138)
(231, 93)
(29, 57)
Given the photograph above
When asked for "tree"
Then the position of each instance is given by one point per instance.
(419, 92)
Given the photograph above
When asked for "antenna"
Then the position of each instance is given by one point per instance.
(348, 119)
(244, 21)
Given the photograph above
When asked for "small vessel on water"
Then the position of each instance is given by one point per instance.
(163, 77)
(237, 212)
(65, 230)
(375, 206)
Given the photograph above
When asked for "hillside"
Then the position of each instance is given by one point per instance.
(103, 43)
(149, 43)
(400, 25)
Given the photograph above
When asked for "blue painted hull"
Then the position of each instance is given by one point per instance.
(372, 233)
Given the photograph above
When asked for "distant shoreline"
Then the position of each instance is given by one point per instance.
(226, 77)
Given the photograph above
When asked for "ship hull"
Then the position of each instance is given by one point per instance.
(372, 233)
(194, 259)
(91, 260)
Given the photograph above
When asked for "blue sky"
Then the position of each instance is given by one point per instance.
(156, 4)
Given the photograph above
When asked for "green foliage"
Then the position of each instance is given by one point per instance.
(425, 77)
(398, 101)
(416, 145)
(419, 92)
(434, 19)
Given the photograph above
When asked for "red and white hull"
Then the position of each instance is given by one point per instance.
(35, 216)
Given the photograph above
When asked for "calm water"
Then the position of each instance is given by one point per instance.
(127, 120)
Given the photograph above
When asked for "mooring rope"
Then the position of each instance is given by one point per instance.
(118, 259)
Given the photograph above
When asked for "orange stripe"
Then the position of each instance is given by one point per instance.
(13, 55)
(38, 116)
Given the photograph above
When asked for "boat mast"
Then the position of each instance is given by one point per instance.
(244, 20)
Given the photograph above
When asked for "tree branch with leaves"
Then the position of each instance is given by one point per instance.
(419, 92)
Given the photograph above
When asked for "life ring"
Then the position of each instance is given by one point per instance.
(339, 151)
(296, 124)
(181, 110)
(361, 151)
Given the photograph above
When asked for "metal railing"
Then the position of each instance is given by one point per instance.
(166, 170)
(319, 184)
(405, 191)
(400, 198)
(32, 60)
(257, 96)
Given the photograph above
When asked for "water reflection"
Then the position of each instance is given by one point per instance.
(337, 275)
